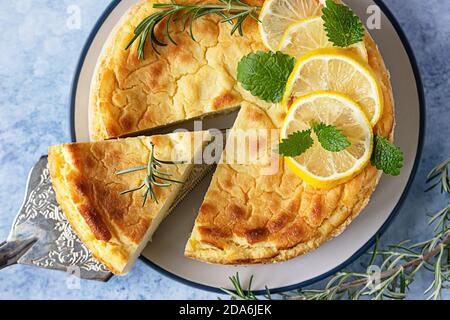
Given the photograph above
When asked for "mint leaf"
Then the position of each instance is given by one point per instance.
(342, 25)
(387, 157)
(295, 144)
(330, 137)
(265, 74)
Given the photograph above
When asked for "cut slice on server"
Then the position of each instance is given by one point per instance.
(116, 227)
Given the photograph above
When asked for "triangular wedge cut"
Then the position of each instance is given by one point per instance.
(258, 211)
(116, 227)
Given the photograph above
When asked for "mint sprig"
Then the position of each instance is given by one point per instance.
(296, 144)
(330, 137)
(265, 74)
(386, 156)
(342, 25)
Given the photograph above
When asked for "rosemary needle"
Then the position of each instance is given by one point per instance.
(155, 177)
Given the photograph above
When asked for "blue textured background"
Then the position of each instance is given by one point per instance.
(38, 55)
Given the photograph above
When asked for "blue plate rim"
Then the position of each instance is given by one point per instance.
(369, 243)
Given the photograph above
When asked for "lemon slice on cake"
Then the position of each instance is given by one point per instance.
(309, 34)
(277, 15)
(317, 166)
(338, 70)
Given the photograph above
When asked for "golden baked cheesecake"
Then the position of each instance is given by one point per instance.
(189, 80)
(114, 226)
(247, 216)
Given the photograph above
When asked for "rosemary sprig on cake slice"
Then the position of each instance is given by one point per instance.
(156, 177)
(233, 12)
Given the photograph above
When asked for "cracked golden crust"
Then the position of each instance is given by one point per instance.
(187, 80)
(248, 217)
(88, 190)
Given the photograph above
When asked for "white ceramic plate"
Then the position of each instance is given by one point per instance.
(166, 251)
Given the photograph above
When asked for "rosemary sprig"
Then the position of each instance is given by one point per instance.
(233, 12)
(155, 177)
(439, 176)
(240, 293)
(397, 265)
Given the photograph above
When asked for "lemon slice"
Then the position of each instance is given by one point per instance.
(309, 34)
(336, 70)
(317, 166)
(277, 15)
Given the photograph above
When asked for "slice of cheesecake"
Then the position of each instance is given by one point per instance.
(114, 226)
